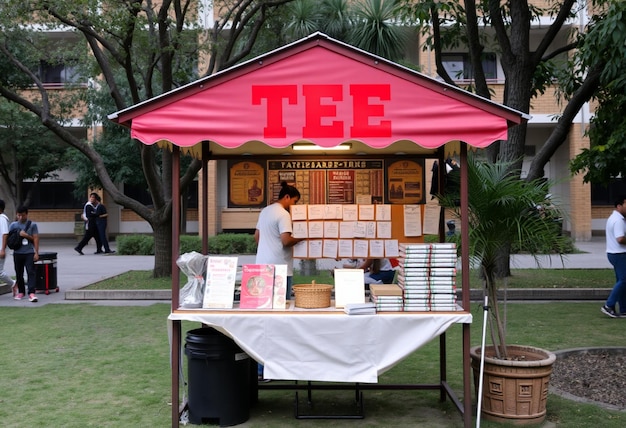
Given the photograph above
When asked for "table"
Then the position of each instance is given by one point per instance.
(327, 345)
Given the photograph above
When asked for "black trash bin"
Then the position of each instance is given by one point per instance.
(218, 378)
(46, 273)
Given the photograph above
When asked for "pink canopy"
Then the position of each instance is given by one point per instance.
(326, 92)
(322, 91)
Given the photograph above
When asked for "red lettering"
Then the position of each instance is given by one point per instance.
(274, 94)
(318, 114)
(363, 111)
(315, 111)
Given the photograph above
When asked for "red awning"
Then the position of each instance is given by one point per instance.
(322, 91)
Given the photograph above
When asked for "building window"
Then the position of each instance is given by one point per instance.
(57, 74)
(53, 195)
(459, 67)
(605, 195)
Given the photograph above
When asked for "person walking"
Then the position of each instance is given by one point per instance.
(101, 225)
(4, 232)
(91, 229)
(616, 253)
(26, 256)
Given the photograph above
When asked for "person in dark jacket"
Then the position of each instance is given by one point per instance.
(91, 229)
(101, 224)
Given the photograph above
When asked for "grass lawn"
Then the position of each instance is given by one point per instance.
(521, 278)
(77, 365)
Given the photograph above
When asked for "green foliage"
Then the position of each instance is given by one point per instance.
(504, 212)
(224, 243)
(375, 31)
(370, 25)
(232, 243)
(135, 245)
(29, 150)
(604, 48)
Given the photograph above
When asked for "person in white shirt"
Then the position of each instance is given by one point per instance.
(4, 231)
(616, 253)
(273, 233)
(274, 239)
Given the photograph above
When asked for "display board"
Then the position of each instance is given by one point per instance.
(256, 183)
(355, 230)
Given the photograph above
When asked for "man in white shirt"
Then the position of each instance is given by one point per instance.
(4, 231)
(616, 253)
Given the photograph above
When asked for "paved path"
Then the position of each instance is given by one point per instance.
(75, 271)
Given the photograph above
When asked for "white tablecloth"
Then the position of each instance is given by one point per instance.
(326, 346)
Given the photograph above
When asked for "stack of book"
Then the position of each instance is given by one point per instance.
(366, 308)
(427, 276)
(387, 297)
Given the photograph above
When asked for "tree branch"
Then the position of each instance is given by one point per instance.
(564, 124)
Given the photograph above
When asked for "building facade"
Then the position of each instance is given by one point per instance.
(588, 205)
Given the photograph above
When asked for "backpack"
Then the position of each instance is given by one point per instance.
(14, 240)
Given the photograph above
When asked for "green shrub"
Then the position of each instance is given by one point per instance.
(190, 243)
(138, 245)
(225, 243)
(232, 243)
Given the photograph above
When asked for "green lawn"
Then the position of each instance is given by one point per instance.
(78, 365)
(521, 278)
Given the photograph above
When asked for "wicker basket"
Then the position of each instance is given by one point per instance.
(312, 295)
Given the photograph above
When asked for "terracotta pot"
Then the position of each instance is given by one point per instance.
(515, 391)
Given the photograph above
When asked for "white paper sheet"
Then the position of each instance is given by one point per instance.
(349, 287)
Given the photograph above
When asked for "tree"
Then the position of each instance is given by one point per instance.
(29, 151)
(604, 43)
(137, 49)
(529, 69)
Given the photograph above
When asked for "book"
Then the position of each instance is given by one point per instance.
(219, 291)
(279, 299)
(257, 287)
(349, 287)
(365, 308)
(385, 290)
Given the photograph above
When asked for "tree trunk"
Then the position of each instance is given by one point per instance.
(163, 248)
(503, 263)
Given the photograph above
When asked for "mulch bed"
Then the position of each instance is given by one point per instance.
(597, 375)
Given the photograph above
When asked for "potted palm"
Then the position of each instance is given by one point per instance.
(506, 213)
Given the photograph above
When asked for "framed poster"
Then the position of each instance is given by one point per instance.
(246, 184)
(405, 180)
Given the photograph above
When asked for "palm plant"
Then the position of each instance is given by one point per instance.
(504, 211)
(367, 24)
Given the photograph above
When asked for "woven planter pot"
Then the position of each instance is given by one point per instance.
(515, 391)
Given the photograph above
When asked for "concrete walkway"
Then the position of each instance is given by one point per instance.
(75, 271)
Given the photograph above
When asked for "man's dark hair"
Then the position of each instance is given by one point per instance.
(286, 189)
(22, 209)
(620, 200)
(2, 205)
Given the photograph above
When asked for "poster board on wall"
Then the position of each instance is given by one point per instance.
(246, 184)
(361, 239)
(405, 181)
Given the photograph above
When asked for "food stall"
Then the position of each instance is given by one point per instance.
(320, 94)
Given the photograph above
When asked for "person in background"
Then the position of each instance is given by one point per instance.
(91, 229)
(26, 256)
(616, 253)
(274, 240)
(101, 225)
(377, 271)
(4, 231)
